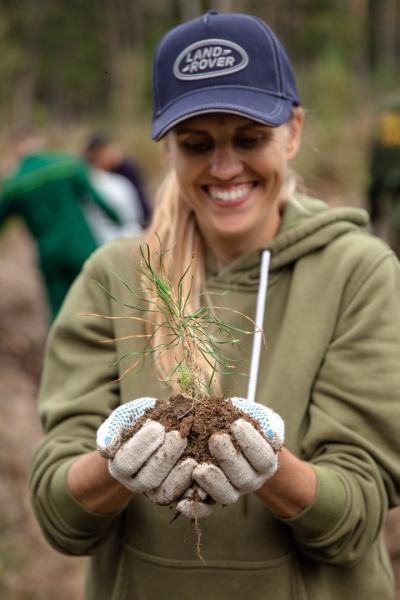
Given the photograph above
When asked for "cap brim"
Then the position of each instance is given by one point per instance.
(258, 106)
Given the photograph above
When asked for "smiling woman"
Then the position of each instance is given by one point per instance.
(227, 107)
(231, 172)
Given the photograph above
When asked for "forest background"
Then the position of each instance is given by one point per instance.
(72, 67)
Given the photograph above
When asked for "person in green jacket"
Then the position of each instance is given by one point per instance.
(310, 527)
(48, 191)
(384, 184)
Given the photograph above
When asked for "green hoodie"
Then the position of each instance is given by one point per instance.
(331, 370)
(49, 190)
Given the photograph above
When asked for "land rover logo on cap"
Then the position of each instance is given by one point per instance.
(210, 58)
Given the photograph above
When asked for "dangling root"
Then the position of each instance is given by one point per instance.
(199, 534)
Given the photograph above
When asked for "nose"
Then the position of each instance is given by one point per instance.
(225, 164)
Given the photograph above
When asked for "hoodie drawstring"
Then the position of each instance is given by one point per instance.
(258, 327)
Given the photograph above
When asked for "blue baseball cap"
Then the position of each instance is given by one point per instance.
(221, 62)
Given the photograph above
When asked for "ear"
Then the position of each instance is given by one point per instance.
(295, 126)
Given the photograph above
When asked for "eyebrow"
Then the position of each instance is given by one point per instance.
(179, 130)
(183, 129)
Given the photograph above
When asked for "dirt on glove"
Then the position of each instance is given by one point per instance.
(195, 419)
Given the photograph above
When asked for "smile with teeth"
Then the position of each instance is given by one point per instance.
(231, 193)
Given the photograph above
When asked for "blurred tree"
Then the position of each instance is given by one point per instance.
(23, 22)
(71, 59)
(190, 9)
(11, 54)
(389, 32)
(384, 35)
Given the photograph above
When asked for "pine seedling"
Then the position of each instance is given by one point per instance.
(196, 337)
(198, 334)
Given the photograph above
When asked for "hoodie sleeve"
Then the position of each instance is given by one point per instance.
(353, 437)
(77, 394)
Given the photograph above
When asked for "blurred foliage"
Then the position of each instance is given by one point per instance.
(71, 59)
(75, 66)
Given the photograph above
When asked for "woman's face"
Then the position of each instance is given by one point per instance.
(230, 172)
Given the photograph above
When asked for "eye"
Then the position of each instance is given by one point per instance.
(196, 145)
(249, 141)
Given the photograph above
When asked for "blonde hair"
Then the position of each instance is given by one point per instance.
(175, 225)
(174, 230)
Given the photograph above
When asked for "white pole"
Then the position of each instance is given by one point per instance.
(259, 323)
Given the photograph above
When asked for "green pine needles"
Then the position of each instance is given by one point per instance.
(199, 334)
(194, 337)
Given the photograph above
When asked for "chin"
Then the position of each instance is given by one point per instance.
(231, 228)
(231, 235)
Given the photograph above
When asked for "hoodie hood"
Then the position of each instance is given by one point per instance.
(307, 225)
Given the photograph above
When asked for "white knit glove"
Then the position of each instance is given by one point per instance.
(238, 471)
(147, 463)
(195, 503)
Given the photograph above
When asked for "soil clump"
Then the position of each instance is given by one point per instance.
(197, 420)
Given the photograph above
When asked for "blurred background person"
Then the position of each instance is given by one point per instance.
(121, 195)
(49, 192)
(104, 153)
(384, 185)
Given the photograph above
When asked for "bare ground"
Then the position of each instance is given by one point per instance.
(29, 568)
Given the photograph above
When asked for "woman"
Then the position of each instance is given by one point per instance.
(227, 107)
